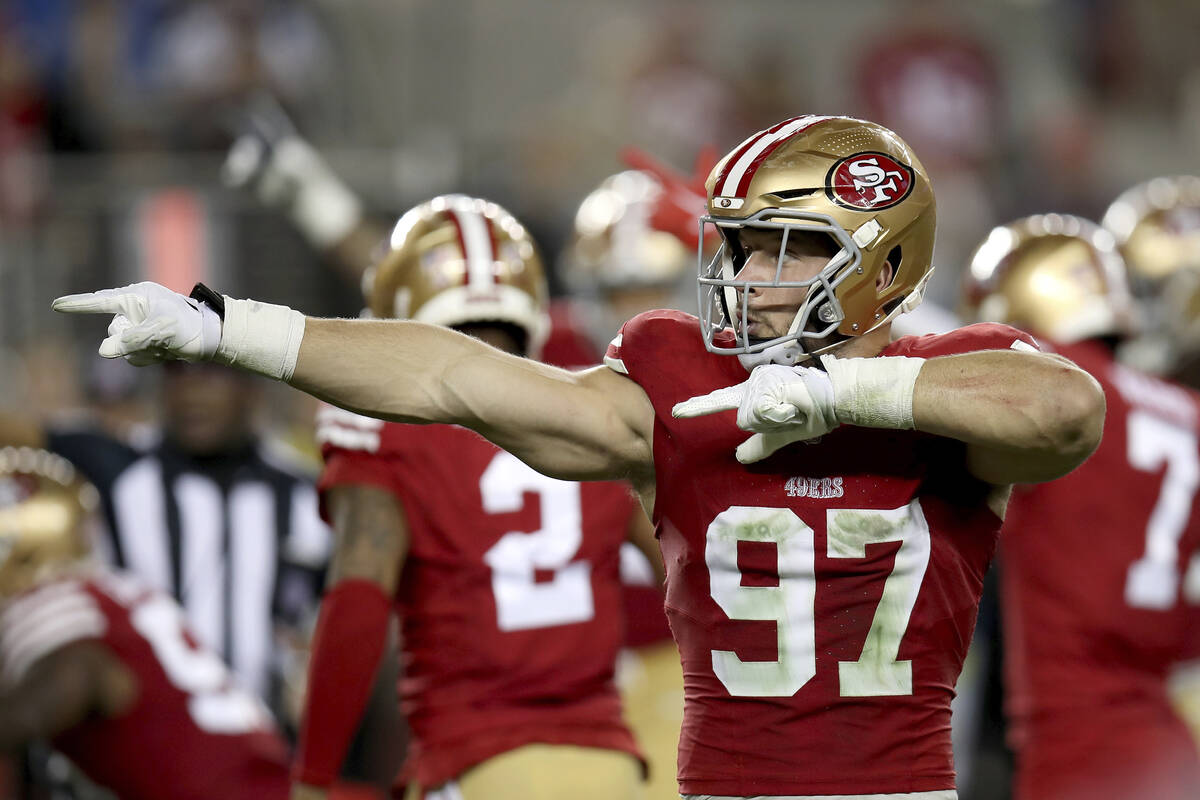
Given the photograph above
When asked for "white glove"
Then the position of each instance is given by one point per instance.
(791, 404)
(152, 323)
(779, 404)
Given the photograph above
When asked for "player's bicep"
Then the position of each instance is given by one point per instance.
(586, 425)
(371, 534)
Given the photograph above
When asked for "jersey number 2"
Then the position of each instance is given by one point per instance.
(791, 604)
(523, 602)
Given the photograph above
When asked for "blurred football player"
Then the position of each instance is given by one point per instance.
(1093, 563)
(1157, 228)
(632, 245)
(506, 581)
(1156, 225)
(823, 574)
(105, 667)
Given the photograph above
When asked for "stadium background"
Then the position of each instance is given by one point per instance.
(115, 116)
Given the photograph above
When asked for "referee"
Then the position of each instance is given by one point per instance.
(203, 511)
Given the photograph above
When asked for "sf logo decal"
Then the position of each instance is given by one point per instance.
(869, 181)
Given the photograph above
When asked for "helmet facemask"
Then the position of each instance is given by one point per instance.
(724, 299)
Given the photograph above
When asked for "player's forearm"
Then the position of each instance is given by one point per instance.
(390, 369)
(1039, 406)
(574, 426)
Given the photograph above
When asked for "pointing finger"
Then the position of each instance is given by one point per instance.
(105, 301)
(721, 400)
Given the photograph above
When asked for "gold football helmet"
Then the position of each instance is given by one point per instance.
(455, 260)
(1157, 227)
(44, 505)
(1053, 275)
(614, 246)
(851, 180)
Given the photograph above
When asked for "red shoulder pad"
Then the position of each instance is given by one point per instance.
(969, 339)
(648, 337)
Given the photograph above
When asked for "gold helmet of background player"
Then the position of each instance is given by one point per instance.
(1054, 275)
(456, 260)
(44, 505)
(614, 246)
(1156, 225)
(856, 182)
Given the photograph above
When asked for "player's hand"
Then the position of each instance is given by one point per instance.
(270, 159)
(150, 323)
(779, 404)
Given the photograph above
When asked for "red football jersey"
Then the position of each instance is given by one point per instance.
(191, 734)
(1091, 582)
(509, 597)
(822, 599)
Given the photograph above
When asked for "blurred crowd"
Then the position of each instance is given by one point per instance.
(117, 116)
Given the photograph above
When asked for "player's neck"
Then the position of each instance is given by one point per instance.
(866, 346)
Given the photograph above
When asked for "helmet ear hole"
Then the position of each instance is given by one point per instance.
(894, 259)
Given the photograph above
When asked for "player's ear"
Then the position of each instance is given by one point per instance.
(884, 278)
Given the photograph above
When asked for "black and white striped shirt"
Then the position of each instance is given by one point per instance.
(236, 538)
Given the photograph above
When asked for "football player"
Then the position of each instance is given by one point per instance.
(105, 668)
(1157, 228)
(1093, 563)
(506, 581)
(822, 596)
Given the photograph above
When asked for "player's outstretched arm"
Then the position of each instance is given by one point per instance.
(587, 425)
(568, 425)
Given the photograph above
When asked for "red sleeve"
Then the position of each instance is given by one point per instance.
(969, 339)
(346, 649)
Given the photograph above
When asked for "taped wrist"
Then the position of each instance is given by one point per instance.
(874, 392)
(352, 630)
(260, 337)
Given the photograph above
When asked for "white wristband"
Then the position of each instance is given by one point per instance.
(260, 337)
(873, 392)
